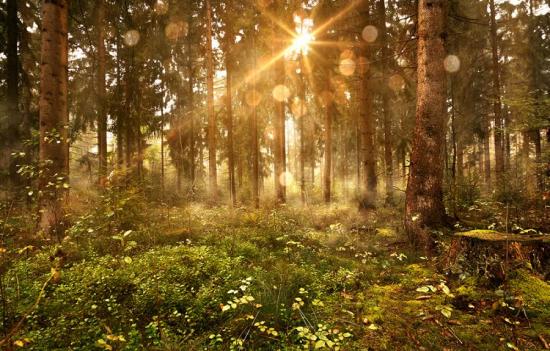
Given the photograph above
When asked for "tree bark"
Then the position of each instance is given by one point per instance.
(119, 118)
(229, 108)
(424, 196)
(368, 127)
(12, 94)
(54, 117)
(486, 152)
(386, 103)
(280, 137)
(497, 106)
(101, 93)
(255, 143)
(191, 110)
(327, 179)
(212, 128)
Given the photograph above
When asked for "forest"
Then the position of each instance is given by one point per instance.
(275, 175)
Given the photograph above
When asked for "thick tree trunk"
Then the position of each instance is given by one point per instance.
(212, 128)
(101, 108)
(424, 197)
(54, 117)
(497, 106)
(386, 103)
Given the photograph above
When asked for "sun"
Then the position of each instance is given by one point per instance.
(301, 43)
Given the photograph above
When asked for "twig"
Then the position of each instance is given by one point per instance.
(456, 336)
(544, 342)
(16, 327)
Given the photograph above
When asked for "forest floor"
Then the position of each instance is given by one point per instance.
(196, 278)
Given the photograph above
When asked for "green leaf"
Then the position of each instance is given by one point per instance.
(423, 289)
(320, 344)
(128, 259)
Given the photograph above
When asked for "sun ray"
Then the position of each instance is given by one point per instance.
(281, 54)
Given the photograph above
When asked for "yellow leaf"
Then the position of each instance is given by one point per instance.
(19, 343)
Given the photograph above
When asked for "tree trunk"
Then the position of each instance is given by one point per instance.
(327, 179)
(12, 94)
(119, 118)
(424, 197)
(538, 158)
(212, 166)
(229, 108)
(368, 127)
(497, 106)
(54, 117)
(255, 144)
(280, 137)
(101, 108)
(191, 110)
(386, 103)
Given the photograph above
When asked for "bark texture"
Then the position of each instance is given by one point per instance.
(101, 108)
(424, 197)
(212, 166)
(497, 106)
(12, 95)
(386, 103)
(229, 108)
(327, 178)
(54, 117)
(368, 127)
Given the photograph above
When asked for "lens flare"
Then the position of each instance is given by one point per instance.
(175, 30)
(347, 67)
(131, 37)
(281, 93)
(451, 63)
(369, 34)
(161, 8)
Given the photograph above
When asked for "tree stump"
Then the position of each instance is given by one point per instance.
(491, 251)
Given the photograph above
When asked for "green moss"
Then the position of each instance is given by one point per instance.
(534, 291)
(386, 232)
(491, 235)
(469, 289)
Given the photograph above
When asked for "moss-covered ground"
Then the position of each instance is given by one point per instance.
(200, 278)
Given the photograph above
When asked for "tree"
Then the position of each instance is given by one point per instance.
(212, 127)
(424, 196)
(368, 129)
(229, 41)
(54, 117)
(12, 98)
(329, 111)
(497, 105)
(386, 102)
(101, 92)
